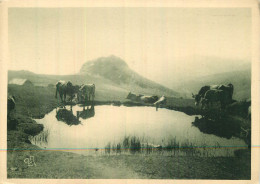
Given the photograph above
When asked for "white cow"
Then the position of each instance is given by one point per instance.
(86, 92)
(161, 101)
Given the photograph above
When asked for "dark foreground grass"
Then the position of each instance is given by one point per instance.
(59, 164)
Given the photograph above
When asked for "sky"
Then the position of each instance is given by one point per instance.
(155, 42)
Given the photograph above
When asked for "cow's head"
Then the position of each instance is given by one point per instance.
(69, 84)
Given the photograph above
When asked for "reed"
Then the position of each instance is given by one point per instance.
(171, 147)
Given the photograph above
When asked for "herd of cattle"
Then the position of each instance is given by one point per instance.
(85, 92)
(214, 93)
(206, 96)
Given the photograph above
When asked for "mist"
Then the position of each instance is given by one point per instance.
(166, 45)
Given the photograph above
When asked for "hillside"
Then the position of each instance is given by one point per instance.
(116, 70)
(240, 79)
(111, 75)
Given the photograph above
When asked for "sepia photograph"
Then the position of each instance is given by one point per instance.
(129, 92)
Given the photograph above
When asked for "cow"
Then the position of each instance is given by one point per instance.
(10, 104)
(148, 99)
(215, 95)
(65, 88)
(161, 101)
(86, 93)
(229, 88)
(142, 98)
(133, 97)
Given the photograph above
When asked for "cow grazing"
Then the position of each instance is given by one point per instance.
(229, 88)
(86, 92)
(161, 101)
(213, 96)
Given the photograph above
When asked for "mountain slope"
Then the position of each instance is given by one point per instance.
(111, 75)
(240, 79)
(116, 70)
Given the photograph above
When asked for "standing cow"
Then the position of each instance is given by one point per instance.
(86, 93)
(213, 96)
(65, 88)
(229, 89)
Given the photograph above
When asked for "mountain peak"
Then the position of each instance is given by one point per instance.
(109, 62)
(111, 67)
(116, 70)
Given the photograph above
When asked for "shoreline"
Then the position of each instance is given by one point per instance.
(35, 102)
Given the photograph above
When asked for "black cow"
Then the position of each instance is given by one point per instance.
(65, 88)
(214, 95)
(229, 88)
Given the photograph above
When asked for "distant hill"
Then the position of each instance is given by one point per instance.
(190, 68)
(111, 75)
(116, 70)
(240, 79)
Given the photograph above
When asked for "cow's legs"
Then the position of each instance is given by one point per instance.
(61, 97)
(92, 101)
(65, 97)
(88, 101)
(85, 101)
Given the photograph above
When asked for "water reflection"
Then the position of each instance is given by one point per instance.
(67, 116)
(220, 127)
(107, 124)
(86, 113)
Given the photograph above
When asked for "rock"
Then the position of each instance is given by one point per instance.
(30, 128)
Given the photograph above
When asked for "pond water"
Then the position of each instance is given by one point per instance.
(105, 124)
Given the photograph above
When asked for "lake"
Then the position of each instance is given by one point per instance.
(111, 124)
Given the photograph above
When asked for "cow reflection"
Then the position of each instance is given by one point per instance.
(224, 127)
(67, 116)
(86, 113)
